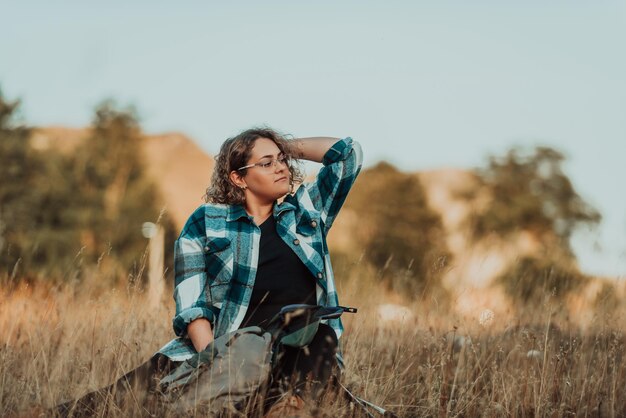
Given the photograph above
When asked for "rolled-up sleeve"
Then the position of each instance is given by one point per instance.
(342, 164)
(191, 294)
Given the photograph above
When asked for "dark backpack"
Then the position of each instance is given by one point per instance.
(232, 375)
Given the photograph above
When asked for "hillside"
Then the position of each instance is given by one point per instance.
(181, 170)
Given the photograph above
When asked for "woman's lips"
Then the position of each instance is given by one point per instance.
(281, 179)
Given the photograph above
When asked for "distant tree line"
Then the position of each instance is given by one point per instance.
(62, 212)
(403, 239)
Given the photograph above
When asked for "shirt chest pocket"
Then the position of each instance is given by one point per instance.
(218, 259)
(308, 224)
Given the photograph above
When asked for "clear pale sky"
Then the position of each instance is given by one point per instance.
(421, 84)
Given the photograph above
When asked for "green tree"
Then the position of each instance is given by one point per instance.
(400, 235)
(16, 181)
(531, 192)
(115, 193)
(34, 233)
(59, 212)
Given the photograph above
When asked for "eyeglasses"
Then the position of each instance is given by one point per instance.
(268, 164)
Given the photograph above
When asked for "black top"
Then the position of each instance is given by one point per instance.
(281, 278)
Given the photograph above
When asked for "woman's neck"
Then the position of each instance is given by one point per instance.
(259, 211)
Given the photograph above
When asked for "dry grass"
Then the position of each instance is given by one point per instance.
(56, 344)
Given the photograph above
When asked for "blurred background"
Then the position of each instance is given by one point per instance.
(484, 239)
(493, 134)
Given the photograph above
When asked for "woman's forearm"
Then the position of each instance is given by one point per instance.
(313, 149)
(200, 333)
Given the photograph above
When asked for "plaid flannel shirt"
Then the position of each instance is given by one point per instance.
(216, 254)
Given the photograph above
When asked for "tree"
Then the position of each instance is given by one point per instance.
(400, 235)
(115, 193)
(59, 212)
(17, 178)
(531, 192)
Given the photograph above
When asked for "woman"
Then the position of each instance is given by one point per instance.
(243, 255)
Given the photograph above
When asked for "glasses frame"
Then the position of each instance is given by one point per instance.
(283, 159)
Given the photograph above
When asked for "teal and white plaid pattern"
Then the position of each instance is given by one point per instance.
(216, 254)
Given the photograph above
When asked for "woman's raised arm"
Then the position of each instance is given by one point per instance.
(342, 164)
(314, 148)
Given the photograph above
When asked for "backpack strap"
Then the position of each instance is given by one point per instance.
(365, 405)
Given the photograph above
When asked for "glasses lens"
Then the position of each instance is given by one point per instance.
(271, 164)
(266, 164)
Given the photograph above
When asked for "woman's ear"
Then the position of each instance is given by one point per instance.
(237, 180)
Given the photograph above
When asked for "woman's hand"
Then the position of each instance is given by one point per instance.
(200, 333)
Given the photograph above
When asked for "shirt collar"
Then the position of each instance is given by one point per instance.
(283, 207)
(236, 212)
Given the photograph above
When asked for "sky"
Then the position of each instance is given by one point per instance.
(423, 85)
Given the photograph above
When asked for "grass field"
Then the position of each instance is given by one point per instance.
(58, 343)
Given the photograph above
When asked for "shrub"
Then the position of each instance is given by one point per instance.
(530, 281)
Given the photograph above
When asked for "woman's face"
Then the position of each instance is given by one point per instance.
(269, 179)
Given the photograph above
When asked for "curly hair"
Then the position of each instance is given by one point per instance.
(234, 153)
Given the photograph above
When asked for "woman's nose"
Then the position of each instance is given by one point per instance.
(278, 167)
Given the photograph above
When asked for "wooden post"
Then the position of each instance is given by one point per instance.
(156, 235)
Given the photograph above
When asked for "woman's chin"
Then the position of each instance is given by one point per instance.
(285, 189)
